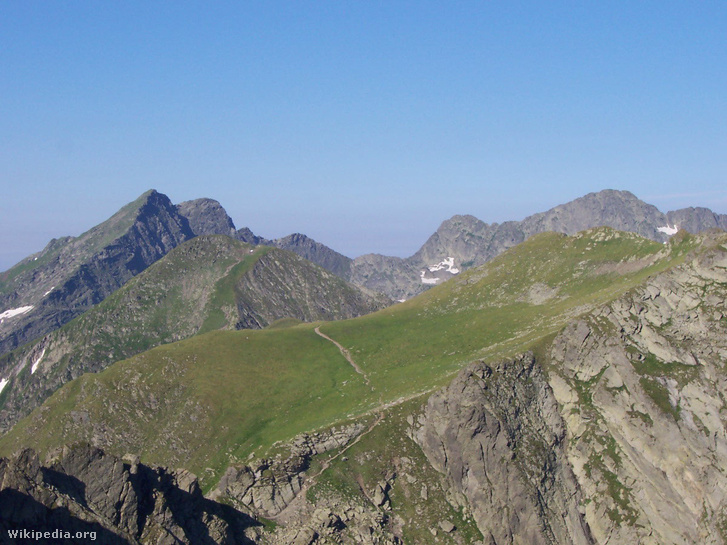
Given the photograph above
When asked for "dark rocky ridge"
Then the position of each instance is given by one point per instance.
(285, 285)
(72, 274)
(206, 217)
(316, 252)
(122, 502)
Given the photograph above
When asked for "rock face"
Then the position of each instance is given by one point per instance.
(206, 217)
(305, 247)
(72, 274)
(272, 484)
(282, 284)
(497, 435)
(318, 253)
(641, 387)
(82, 489)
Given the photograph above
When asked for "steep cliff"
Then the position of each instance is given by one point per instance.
(642, 388)
(496, 433)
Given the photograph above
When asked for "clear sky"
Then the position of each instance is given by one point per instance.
(362, 124)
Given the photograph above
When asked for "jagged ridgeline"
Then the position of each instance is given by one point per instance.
(71, 274)
(210, 282)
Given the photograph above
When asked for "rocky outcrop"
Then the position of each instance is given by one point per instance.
(696, 220)
(317, 253)
(271, 485)
(82, 489)
(282, 284)
(641, 387)
(277, 489)
(305, 247)
(396, 277)
(497, 435)
(206, 217)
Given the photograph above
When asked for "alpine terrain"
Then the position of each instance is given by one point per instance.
(557, 380)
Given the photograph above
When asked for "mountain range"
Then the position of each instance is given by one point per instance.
(48, 289)
(523, 392)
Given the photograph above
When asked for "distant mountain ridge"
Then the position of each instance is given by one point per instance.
(74, 273)
(469, 241)
(48, 289)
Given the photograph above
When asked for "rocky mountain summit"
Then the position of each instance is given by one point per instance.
(48, 289)
(206, 217)
(470, 242)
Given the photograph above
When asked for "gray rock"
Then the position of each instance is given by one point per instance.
(446, 526)
(83, 489)
(206, 217)
(642, 395)
(496, 434)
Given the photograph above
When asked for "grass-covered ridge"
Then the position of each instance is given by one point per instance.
(216, 398)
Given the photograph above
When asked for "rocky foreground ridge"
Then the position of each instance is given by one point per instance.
(611, 432)
(122, 502)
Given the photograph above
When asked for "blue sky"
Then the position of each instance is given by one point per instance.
(361, 124)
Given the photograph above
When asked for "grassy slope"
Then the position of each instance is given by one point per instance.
(215, 398)
(165, 303)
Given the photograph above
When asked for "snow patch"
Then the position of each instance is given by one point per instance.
(401, 300)
(668, 230)
(428, 280)
(50, 290)
(37, 362)
(15, 312)
(447, 264)
(3, 383)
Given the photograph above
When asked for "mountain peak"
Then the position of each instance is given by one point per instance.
(206, 217)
